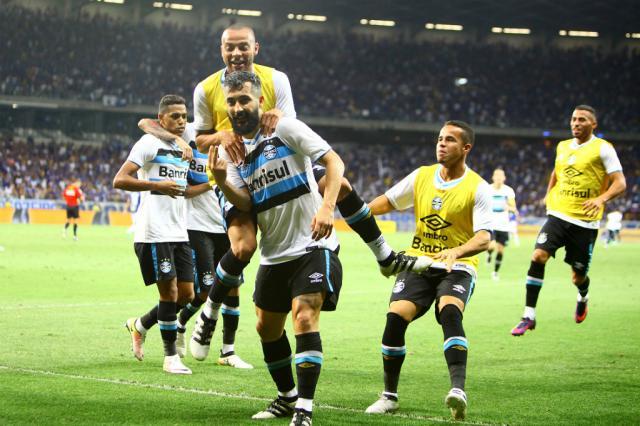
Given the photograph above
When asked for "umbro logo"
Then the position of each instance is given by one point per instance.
(459, 288)
(316, 277)
(435, 222)
(571, 172)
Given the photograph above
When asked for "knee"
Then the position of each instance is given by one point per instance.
(578, 279)
(169, 294)
(185, 296)
(245, 248)
(345, 189)
(304, 321)
(266, 332)
(450, 314)
(540, 256)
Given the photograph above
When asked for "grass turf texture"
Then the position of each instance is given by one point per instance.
(65, 356)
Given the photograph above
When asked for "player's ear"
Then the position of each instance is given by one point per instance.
(256, 48)
(261, 101)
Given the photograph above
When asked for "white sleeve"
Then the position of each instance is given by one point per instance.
(610, 158)
(400, 195)
(233, 174)
(143, 151)
(482, 208)
(202, 114)
(299, 137)
(512, 194)
(284, 96)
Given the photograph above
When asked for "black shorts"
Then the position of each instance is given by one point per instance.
(73, 212)
(430, 286)
(318, 172)
(164, 261)
(318, 271)
(207, 249)
(501, 237)
(577, 241)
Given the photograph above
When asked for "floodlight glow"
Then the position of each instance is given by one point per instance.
(180, 6)
(632, 35)
(158, 4)
(114, 1)
(314, 18)
(443, 27)
(460, 81)
(378, 22)
(496, 30)
(247, 12)
(574, 33)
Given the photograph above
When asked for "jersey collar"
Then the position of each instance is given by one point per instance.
(576, 145)
(440, 183)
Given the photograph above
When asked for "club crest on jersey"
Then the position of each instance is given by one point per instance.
(315, 278)
(436, 203)
(571, 160)
(165, 266)
(270, 152)
(542, 238)
(435, 222)
(207, 279)
(398, 287)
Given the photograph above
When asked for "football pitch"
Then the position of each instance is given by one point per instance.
(65, 356)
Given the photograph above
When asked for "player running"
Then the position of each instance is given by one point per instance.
(503, 203)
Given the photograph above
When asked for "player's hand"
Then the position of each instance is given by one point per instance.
(233, 146)
(448, 257)
(592, 207)
(217, 165)
(322, 223)
(269, 120)
(170, 188)
(187, 151)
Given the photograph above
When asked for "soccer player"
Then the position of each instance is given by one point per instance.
(73, 196)
(161, 240)
(238, 49)
(452, 207)
(613, 226)
(208, 241)
(503, 202)
(299, 269)
(587, 174)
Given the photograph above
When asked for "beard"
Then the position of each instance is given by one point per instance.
(245, 122)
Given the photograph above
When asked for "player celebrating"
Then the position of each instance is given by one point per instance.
(160, 239)
(576, 195)
(208, 240)
(503, 202)
(453, 223)
(238, 49)
(73, 196)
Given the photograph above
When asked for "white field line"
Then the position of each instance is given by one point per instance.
(208, 392)
(69, 305)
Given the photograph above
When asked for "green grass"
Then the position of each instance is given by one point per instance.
(65, 357)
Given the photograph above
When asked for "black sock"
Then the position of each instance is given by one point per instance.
(189, 311)
(308, 363)
(277, 356)
(75, 229)
(150, 319)
(230, 317)
(583, 288)
(358, 216)
(393, 350)
(455, 345)
(498, 261)
(66, 225)
(535, 278)
(489, 253)
(228, 275)
(168, 323)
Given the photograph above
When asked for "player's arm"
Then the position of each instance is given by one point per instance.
(125, 179)
(284, 104)
(552, 182)
(220, 168)
(398, 197)
(381, 205)
(618, 186)
(195, 190)
(153, 127)
(481, 225)
(322, 223)
(231, 142)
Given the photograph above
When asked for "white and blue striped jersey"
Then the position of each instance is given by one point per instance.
(500, 207)
(278, 174)
(203, 211)
(160, 218)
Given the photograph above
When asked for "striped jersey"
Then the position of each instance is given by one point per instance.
(160, 218)
(278, 175)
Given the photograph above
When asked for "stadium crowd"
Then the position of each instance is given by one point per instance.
(507, 87)
(40, 170)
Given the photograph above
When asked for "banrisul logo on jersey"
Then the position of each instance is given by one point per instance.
(266, 176)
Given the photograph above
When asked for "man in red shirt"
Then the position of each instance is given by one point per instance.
(73, 196)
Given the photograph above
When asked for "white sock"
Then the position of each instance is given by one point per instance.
(139, 327)
(211, 309)
(529, 312)
(583, 299)
(380, 248)
(395, 395)
(293, 393)
(305, 404)
(227, 348)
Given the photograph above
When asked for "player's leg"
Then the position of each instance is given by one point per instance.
(492, 247)
(579, 251)
(168, 323)
(66, 224)
(502, 239)
(358, 216)
(242, 237)
(74, 222)
(551, 237)
(411, 297)
(454, 293)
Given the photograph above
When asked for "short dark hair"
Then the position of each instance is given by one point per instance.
(170, 100)
(584, 107)
(468, 135)
(237, 79)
